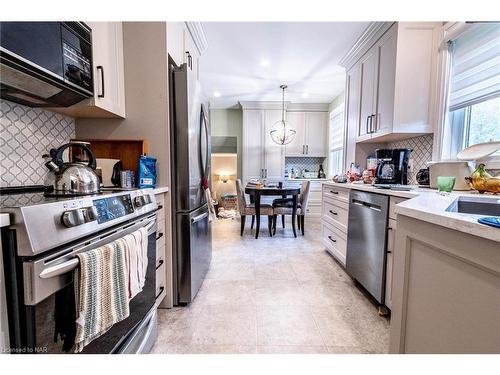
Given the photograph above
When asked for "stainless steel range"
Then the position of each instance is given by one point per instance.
(39, 256)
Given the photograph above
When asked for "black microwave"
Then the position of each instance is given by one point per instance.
(46, 64)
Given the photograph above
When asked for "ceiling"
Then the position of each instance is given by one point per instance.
(250, 60)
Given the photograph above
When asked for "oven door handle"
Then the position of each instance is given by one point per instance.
(62, 268)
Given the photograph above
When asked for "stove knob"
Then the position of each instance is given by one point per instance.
(90, 214)
(72, 218)
(140, 201)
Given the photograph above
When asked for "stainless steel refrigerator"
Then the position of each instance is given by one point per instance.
(190, 166)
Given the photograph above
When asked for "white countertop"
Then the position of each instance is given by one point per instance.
(431, 207)
(4, 220)
(305, 179)
(160, 190)
(428, 205)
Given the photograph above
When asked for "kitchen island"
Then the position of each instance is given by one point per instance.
(443, 267)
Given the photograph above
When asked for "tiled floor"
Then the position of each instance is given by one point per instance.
(273, 295)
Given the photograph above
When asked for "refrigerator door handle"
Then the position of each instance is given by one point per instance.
(199, 217)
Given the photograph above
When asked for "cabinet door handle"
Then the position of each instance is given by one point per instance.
(372, 129)
(368, 130)
(334, 192)
(307, 149)
(101, 95)
(303, 149)
(389, 228)
(160, 235)
(333, 213)
(162, 288)
(160, 206)
(331, 239)
(160, 262)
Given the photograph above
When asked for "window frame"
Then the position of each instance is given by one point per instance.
(443, 147)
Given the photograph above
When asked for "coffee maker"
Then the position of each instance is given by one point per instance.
(392, 167)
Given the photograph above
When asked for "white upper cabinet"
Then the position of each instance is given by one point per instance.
(185, 44)
(176, 32)
(108, 75)
(297, 122)
(312, 134)
(107, 57)
(353, 96)
(316, 134)
(368, 66)
(253, 147)
(397, 82)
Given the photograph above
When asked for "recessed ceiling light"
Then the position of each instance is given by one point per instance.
(216, 94)
(264, 63)
(305, 94)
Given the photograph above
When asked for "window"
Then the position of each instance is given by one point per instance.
(336, 141)
(474, 99)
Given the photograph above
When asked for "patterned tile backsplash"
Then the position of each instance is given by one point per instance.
(421, 154)
(301, 163)
(25, 135)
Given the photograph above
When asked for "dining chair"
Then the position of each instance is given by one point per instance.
(284, 206)
(249, 209)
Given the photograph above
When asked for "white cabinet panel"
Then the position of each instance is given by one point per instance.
(274, 153)
(353, 93)
(386, 50)
(253, 148)
(368, 91)
(297, 121)
(175, 41)
(316, 133)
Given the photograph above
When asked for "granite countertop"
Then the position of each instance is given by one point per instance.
(428, 205)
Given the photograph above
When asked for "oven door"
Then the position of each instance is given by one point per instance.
(48, 295)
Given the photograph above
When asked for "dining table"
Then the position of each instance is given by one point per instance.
(255, 194)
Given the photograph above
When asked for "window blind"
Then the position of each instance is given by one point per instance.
(336, 131)
(476, 66)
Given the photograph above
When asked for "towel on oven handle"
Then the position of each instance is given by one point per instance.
(102, 291)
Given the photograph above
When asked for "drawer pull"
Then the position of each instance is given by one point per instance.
(331, 239)
(160, 263)
(389, 228)
(334, 192)
(160, 206)
(333, 213)
(160, 235)
(162, 288)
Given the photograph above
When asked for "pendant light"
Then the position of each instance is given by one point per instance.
(281, 133)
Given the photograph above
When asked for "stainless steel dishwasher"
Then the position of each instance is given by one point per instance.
(367, 241)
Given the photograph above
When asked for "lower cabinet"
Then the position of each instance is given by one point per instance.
(334, 216)
(161, 261)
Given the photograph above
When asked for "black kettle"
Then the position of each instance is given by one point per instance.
(423, 177)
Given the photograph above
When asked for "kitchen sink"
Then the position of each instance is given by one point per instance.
(476, 206)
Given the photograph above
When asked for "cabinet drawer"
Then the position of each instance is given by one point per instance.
(336, 212)
(336, 193)
(393, 201)
(334, 240)
(315, 195)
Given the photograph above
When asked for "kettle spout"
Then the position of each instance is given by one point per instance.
(51, 166)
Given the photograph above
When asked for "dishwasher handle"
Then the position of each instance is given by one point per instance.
(372, 206)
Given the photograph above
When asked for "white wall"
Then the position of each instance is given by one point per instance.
(146, 95)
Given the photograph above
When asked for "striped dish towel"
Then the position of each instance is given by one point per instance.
(101, 289)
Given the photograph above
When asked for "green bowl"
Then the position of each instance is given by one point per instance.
(445, 183)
